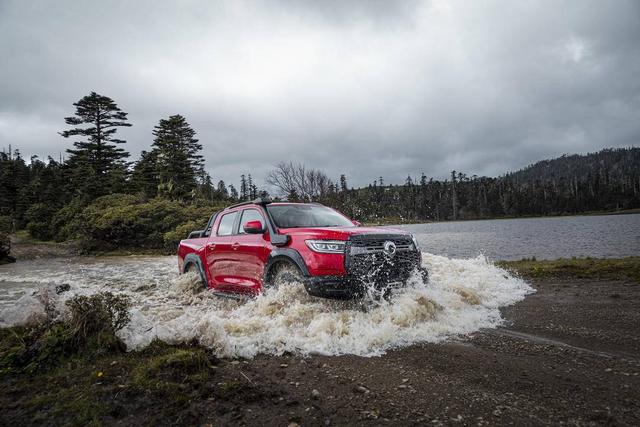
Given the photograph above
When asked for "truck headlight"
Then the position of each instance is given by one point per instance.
(326, 246)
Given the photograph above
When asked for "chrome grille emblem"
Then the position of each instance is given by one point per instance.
(389, 248)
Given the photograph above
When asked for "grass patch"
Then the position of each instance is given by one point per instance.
(579, 268)
(160, 385)
(88, 330)
(75, 372)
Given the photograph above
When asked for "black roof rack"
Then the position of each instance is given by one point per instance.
(259, 201)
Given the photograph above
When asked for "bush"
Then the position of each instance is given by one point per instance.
(172, 238)
(94, 320)
(5, 247)
(90, 329)
(126, 222)
(63, 224)
(6, 224)
(38, 218)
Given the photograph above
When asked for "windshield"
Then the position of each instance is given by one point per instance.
(296, 216)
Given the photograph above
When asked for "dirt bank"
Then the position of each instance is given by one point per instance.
(24, 247)
(569, 353)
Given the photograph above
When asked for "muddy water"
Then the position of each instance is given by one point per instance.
(462, 296)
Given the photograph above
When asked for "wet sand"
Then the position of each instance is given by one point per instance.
(570, 354)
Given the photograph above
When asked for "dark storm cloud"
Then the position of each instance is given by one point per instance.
(370, 88)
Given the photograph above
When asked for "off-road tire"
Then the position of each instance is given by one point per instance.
(193, 268)
(284, 273)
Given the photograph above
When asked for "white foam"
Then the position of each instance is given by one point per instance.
(462, 296)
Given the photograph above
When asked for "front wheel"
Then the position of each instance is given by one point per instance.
(283, 274)
(192, 268)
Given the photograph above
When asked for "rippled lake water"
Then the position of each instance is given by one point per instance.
(601, 236)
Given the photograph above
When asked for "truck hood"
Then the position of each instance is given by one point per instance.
(339, 233)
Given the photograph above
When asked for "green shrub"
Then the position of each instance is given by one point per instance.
(38, 218)
(126, 222)
(173, 237)
(89, 330)
(6, 224)
(95, 319)
(64, 222)
(5, 241)
(5, 246)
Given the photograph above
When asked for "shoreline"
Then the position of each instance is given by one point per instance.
(28, 249)
(394, 221)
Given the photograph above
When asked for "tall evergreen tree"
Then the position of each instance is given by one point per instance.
(244, 188)
(222, 190)
(178, 162)
(96, 166)
(343, 183)
(233, 193)
(145, 178)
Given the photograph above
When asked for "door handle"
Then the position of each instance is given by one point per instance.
(211, 246)
(235, 246)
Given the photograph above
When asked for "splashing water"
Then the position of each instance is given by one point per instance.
(462, 296)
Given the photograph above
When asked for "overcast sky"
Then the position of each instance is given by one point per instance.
(365, 88)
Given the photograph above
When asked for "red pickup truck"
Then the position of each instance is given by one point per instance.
(249, 246)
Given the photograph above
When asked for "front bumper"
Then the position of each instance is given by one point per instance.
(349, 287)
(338, 287)
(368, 264)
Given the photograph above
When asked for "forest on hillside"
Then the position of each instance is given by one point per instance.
(608, 180)
(98, 195)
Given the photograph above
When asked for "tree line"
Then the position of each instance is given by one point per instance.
(608, 180)
(61, 199)
(97, 165)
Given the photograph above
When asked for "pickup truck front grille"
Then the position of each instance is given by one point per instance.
(367, 260)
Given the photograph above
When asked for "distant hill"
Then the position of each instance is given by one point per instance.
(614, 163)
(608, 180)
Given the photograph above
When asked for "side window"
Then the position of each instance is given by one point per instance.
(225, 228)
(212, 220)
(249, 215)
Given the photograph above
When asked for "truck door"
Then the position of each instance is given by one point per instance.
(220, 255)
(252, 251)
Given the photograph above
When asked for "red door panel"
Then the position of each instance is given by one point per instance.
(221, 257)
(252, 252)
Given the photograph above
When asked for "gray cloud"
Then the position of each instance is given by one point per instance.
(368, 88)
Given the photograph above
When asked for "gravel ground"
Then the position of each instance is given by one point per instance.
(568, 354)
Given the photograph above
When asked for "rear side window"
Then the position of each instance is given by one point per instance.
(249, 215)
(212, 220)
(226, 224)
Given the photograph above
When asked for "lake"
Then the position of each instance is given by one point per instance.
(601, 236)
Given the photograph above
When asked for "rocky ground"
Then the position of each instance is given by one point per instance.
(569, 353)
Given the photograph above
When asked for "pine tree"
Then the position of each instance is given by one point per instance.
(233, 193)
(178, 162)
(252, 189)
(96, 166)
(343, 183)
(206, 189)
(454, 195)
(145, 178)
(244, 188)
(222, 190)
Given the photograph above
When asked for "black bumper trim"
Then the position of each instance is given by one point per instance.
(338, 287)
(348, 287)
